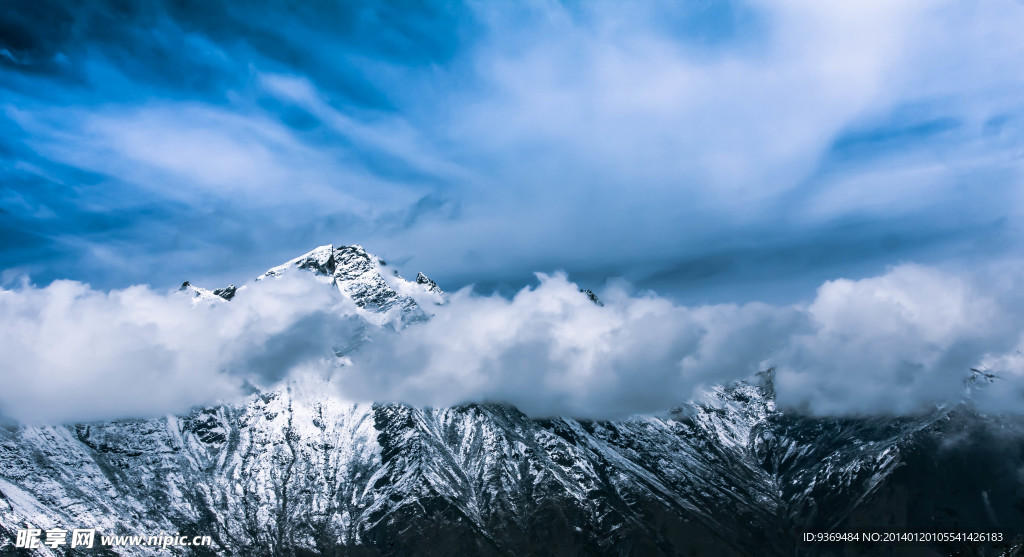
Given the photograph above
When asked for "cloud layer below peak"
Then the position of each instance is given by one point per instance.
(897, 343)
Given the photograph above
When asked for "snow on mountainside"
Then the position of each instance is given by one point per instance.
(360, 276)
(296, 471)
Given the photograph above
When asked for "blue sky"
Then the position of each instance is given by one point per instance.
(832, 189)
(711, 151)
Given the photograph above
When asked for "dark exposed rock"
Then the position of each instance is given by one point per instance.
(593, 297)
(226, 293)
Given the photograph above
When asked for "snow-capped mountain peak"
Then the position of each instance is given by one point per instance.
(379, 296)
(320, 261)
(200, 295)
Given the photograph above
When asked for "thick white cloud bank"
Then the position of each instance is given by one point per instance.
(893, 344)
(899, 342)
(550, 350)
(71, 353)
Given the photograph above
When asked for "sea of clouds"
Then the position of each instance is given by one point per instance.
(897, 343)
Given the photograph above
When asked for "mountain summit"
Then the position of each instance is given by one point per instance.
(358, 275)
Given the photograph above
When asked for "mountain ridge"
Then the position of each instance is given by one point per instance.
(298, 471)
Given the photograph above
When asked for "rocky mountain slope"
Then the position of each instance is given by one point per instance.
(297, 471)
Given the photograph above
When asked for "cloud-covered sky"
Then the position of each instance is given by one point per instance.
(831, 188)
(712, 151)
